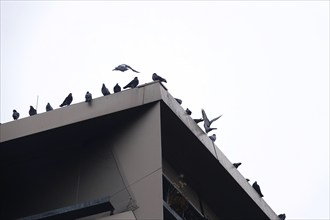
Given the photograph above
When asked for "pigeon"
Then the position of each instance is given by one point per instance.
(67, 101)
(117, 88)
(88, 97)
(48, 107)
(105, 90)
(132, 84)
(236, 165)
(188, 111)
(207, 122)
(124, 67)
(32, 111)
(178, 100)
(257, 188)
(155, 77)
(247, 179)
(282, 216)
(198, 120)
(15, 115)
(213, 137)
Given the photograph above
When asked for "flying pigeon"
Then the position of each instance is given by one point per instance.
(257, 188)
(132, 84)
(155, 77)
(198, 120)
(88, 97)
(282, 216)
(117, 88)
(15, 115)
(67, 101)
(105, 90)
(236, 165)
(213, 137)
(32, 111)
(207, 122)
(48, 107)
(178, 100)
(124, 67)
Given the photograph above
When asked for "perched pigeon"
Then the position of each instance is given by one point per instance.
(236, 165)
(124, 67)
(178, 100)
(188, 111)
(105, 90)
(117, 88)
(247, 179)
(257, 188)
(282, 216)
(48, 107)
(15, 115)
(207, 122)
(67, 101)
(132, 84)
(88, 97)
(32, 111)
(213, 137)
(155, 77)
(198, 120)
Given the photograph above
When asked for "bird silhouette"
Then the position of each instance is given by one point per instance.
(124, 67)
(155, 77)
(133, 83)
(188, 111)
(105, 90)
(117, 88)
(15, 115)
(207, 122)
(67, 101)
(213, 137)
(178, 100)
(48, 107)
(256, 187)
(282, 216)
(88, 97)
(32, 111)
(236, 165)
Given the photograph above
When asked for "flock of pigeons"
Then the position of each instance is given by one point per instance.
(88, 97)
(133, 84)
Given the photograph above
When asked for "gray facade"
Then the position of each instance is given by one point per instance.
(120, 158)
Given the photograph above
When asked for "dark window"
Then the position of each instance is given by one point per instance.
(176, 205)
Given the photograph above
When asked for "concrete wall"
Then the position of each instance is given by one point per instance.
(125, 167)
(138, 154)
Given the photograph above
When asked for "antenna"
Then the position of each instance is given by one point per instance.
(37, 102)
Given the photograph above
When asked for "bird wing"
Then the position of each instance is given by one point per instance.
(214, 119)
(206, 120)
(131, 69)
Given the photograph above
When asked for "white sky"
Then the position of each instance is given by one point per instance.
(264, 65)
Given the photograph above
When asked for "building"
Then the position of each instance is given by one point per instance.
(135, 154)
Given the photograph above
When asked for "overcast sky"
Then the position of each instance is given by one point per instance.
(264, 65)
